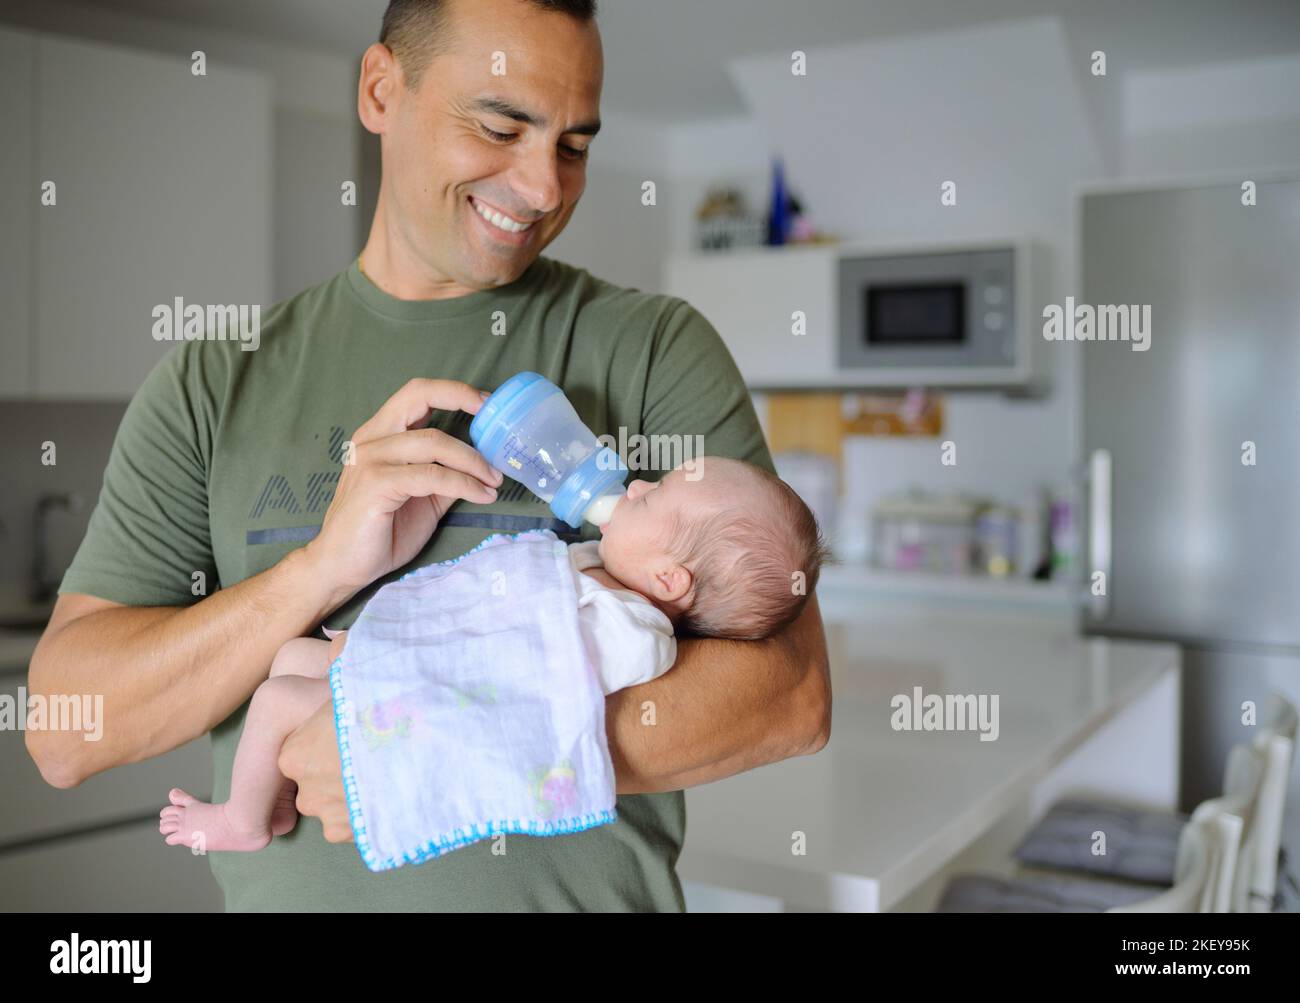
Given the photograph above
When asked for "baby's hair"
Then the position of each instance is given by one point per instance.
(745, 565)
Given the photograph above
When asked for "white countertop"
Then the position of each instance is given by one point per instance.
(880, 809)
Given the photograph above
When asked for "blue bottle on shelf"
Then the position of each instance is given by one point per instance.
(778, 221)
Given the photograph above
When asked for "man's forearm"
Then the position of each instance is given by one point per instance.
(724, 708)
(167, 674)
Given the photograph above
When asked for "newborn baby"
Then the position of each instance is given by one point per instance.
(719, 549)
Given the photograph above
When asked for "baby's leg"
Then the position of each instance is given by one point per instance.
(303, 656)
(245, 821)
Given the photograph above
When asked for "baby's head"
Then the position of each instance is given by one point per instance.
(723, 547)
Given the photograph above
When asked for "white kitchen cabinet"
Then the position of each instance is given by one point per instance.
(751, 297)
(18, 201)
(164, 190)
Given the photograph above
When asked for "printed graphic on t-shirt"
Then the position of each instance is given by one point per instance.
(310, 494)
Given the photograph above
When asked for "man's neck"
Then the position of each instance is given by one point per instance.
(393, 267)
(378, 264)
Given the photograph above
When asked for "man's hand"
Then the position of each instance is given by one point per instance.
(398, 480)
(310, 758)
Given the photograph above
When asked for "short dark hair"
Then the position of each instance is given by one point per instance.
(417, 30)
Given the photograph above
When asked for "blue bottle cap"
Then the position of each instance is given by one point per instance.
(508, 403)
(600, 473)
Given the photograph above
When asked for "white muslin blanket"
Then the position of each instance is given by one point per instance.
(467, 705)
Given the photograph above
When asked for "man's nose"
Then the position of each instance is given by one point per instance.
(537, 181)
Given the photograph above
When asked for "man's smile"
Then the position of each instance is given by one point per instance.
(502, 226)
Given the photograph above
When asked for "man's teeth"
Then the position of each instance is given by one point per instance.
(499, 221)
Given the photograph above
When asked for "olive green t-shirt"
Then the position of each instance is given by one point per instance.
(226, 461)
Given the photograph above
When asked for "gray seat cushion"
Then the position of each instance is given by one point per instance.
(970, 893)
(1140, 845)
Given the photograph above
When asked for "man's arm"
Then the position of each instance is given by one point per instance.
(168, 674)
(725, 707)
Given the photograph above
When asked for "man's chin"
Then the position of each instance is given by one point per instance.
(496, 272)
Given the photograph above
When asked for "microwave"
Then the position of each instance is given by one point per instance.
(860, 316)
(951, 317)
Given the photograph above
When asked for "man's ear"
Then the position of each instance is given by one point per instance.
(672, 583)
(380, 83)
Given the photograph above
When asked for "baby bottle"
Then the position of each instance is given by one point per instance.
(530, 432)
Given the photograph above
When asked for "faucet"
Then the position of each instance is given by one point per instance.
(43, 587)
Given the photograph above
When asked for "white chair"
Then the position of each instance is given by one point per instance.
(1145, 845)
(1208, 856)
(1255, 883)
(1227, 853)
(1204, 874)
(1207, 862)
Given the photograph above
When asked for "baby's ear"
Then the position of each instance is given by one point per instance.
(673, 583)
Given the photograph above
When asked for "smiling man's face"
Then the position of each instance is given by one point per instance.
(467, 141)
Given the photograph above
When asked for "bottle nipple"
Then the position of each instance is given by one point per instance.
(601, 510)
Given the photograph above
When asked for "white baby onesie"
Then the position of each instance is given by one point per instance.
(630, 640)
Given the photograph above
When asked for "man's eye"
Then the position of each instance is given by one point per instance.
(570, 152)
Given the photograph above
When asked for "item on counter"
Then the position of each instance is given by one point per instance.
(997, 537)
(1065, 538)
(1032, 548)
(916, 532)
(530, 432)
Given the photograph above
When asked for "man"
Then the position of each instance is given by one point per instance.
(234, 468)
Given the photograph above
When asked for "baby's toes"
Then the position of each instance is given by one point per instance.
(180, 797)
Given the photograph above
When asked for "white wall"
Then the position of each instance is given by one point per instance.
(894, 120)
(1213, 118)
(1013, 114)
(316, 140)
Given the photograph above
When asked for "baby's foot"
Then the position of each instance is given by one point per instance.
(285, 815)
(194, 823)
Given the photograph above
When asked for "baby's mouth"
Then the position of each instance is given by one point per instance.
(614, 513)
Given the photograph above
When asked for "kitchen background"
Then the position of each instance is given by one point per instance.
(999, 96)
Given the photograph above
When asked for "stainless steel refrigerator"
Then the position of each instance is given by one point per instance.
(1198, 528)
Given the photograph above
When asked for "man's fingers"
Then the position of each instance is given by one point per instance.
(420, 480)
(414, 402)
(425, 446)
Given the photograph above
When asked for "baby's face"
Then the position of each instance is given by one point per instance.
(633, 543)
(637, 532)
(634, 546)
